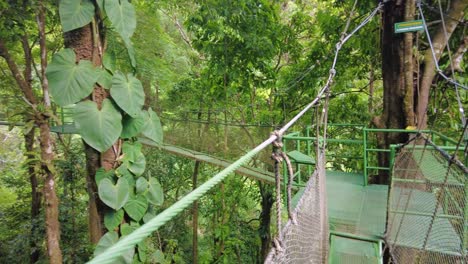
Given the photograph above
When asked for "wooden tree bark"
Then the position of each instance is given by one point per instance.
(41, 118)
(34, 243)
(87, 42)
(439, 41)
(393, 66)
(403, 104)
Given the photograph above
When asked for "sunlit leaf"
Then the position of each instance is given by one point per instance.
(99, 128)
(70, 82)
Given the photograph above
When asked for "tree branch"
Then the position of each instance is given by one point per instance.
(23, 85)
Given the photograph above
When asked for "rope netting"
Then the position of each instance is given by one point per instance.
(427, 214)
(304, 238)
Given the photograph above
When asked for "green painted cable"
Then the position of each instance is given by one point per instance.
(128, 242)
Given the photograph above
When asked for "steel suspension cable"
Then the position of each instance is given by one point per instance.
(439, 71)
(128, 242)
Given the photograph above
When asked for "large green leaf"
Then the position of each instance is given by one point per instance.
(141, 185)
(108, 240)
(127, 229)
(101, 174)
(131, 150)
(113, 218)
(136, 207)
(104, 78)
(155, 193)
(138, 167)
(128, 93)
(75, 13)
(99, 128)
(114, 196)
(130, 51)
(122, 15)
(153, 129)
(70, 82)
(133, 126)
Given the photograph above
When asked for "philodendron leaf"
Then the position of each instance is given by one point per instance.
(155, 193)
(75, 14)
(70, 82)
(108, 240)
(153, 128)
(138, 167)
(104, 78)
(127, 229)
(101, 174)
(136, 207)
(128, 93)
(113, 218)
(99, 128)
(122, 16)
(114, 196)
(131, 150)
(133, 126)
(130, 51)
(141, 185)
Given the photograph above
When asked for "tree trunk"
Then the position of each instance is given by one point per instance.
(439, 42)
(266, 191)
(89, 47)
(51, 200)
(397, 73)
(34, 242)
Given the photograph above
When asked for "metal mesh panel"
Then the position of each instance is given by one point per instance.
(427, 215)
(307, 240)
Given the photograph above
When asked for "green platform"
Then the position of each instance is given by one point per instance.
(356, 215)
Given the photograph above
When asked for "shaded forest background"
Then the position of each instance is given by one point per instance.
(220, 75)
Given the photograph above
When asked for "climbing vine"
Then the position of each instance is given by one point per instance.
(130, 195)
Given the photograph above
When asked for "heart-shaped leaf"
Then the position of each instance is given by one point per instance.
(75, 14)
(114, 196)
(104, 78)
(108, 60)
(133, 126)
(99, 128)
(101, 173)
(131, 150)
(148, 216)
(112, 219)
(142, 251)
(155, 193)
(130, 51)
(127, 229)
(153, 129)
(122, 16)
(136, 207)
(138, 167)
(70, 82)
(128, 93)
(141, 185)
(108, 240)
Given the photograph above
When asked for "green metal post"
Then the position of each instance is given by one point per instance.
(285, 174)
(392, 159)
(364, 138)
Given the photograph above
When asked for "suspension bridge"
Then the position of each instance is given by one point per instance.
(338, 216)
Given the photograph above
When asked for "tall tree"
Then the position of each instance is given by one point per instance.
(40, 104)
(406, 91)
